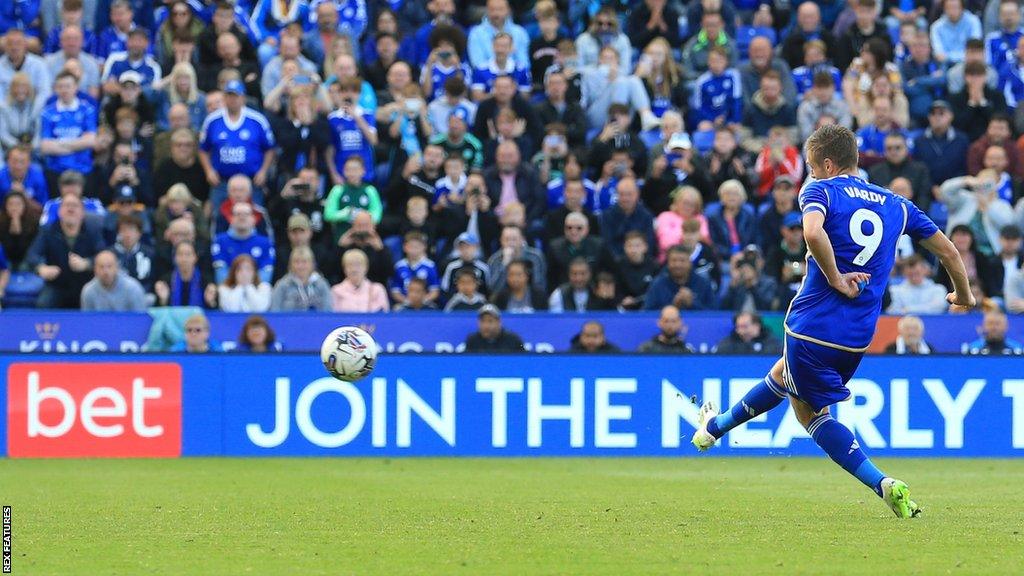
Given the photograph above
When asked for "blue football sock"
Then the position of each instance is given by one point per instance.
(761, 398)
(840, 445)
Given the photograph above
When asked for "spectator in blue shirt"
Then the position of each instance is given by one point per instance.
(73, 183)
(414, 265)
(1000, 45)
(67, 130)
(924, 79)
(678, 286)
(942, 148)
(70, 15)
(135, 58)
(114, 38)
(352, 16)
(197, 337)
(236, 140)
(21, 15)
(270, 17)
(814, 62)
(871, 138)
(502, 63)
(481, 36)
(23, 175)
(718, 93)
(241, 238)
(353, 132)
(949, 34)
(1011, 77)
(415, 48)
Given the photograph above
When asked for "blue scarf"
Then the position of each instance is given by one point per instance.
(195, 290)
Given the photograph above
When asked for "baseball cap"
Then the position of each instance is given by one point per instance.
(125, 194)
(679, 140)
(460, 112)
(298, 220)
(467, 238)
(792, 220)
(130, 76)
(234, 87)
(489, 309)
(939, 104)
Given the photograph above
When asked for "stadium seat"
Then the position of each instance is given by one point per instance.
(23, 290)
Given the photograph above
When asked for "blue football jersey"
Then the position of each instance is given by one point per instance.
(236, 147)
(863, 222)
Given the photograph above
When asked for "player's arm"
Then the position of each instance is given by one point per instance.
(961, 299)
(820, 247)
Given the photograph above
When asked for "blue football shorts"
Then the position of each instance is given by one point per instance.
(817, 374)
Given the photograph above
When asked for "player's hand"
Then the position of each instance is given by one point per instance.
(849, 284)
(961, 302)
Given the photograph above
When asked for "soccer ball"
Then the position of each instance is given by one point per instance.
(349, 353)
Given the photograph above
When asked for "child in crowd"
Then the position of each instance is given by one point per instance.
(414, 265)
(467, 295)
(345, 200)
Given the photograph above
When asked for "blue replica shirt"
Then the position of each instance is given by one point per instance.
(34, 183)
(352, 15)
(863, 222)
(404, 272)
(348, 139)
(226, 246)
(600, 198)
(268, 19)
(872, 139)
(118, 63)
(52, 43)
(60, 122)
(108, 41)
(19, 14)
(1001, 47)
(483, 77)
(556, 191)
(803, 77)
(446, 186)
(1011, 82)
(51, 210)
(236, 147)
(440, 74)
(715, 96)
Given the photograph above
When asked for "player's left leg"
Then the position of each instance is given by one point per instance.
(766, 395)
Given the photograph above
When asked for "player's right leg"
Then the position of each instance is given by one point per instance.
(766, 395)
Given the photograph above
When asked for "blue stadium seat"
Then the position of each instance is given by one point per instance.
(703, 141)
(23, 290)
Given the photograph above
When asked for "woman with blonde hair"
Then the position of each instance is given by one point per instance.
(181, 86)
(356, 293)
(732, 226)
(881, 87)
(662, 77)
(302, 289)
(178, 202)
(687, 205)
(242, 290)
(19, 116)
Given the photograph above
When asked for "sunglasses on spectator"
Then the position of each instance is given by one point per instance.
(195, 330)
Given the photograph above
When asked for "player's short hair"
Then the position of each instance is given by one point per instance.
(834, 142)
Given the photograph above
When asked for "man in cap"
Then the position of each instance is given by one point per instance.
(459, 141)
(942, 149)
(125, 203)
(491, 336)
(125, 91)
(300, 233)
(678, 166)
(467, 257)
(235, 140)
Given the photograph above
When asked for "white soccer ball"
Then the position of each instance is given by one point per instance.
(349, 353)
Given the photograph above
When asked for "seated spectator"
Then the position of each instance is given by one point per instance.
(415, 264)
(544, 41)
(455, 96)
(17, 58)
(134, 58)
(565, 195)
(769, 107)
(511, 180)
(242, 290)
(918, 293)
(591, 340)
(491, 336)
(910, 339)
(575, 294)
(679, 166)
(787, 260)
(417, 218)
(717, 94)
(364, 236)
(467, 257)
(177, 203)
(687, 206)
(577, 243)
(197, 337)
(662, 77)
(982, 269)
(778, 157)
(759, 66)
(67, 130)
(749, 336)
(821, 100)
(733, 226)
(949, 34)
(1007, 187)
(70, 15)
(671, 336)
(125, 92)
(351, 196)
(111, 290)
(970, 199)
(257, 336)
(181, 167)
(71, 182)
(924, 79)
(458, 140)
(605, 294)
(771, 214)
(353, 133)
(609, 83)
(604, 31)
(416, 299)
(897, 163)
(186, 284)
(696, 53)
(300, 195)
(299, 233)
(514, 248)
(678, 286)
(23, 175)
(19, 116)
(519, 295)
(242, 238)
(181, 87)
(1007, 263)
(882, 88)
(356, 293)
(627, 215)
(303, 289)
(873, 60)
(994, 327)
(942, 149)
(871, 137)
(557, 108)
(124, 169)
(137, 259)
(807, 28)
(616, 164)
(815, 62)
(114, 37)
(998, 133)
(123, 204)
(510, 128)
(19, 224)
(467, 296)
(727, 161)
(223, 152)
(974, 55)
(501, 63)
(976, 105)
(705, 260)
(749, 289)
(62, 255)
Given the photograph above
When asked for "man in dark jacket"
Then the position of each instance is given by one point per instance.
(942, 148)
(62, 255)
(808, 27)
(898, 164)
(555, 108)
(671, 336)
(511, 179)
(505, 94)
(626, 215)
(678, 287)
(490, 335)
(577, 243)
(653, 19)
(591, 340)
(748, 336)
(866, 27)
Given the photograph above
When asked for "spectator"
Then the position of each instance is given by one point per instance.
(416, 299)
(973, 200)
(125, 170)
(787, 260)
(591, 340)
(67, 130)
(467, 257)
(977, 104)
(974, 55)
(866, 27)
(662, 78)
(181, 87)
(924, 79)
(125, 91)
(351, 196)
(23, 175)
(301, 133)
(577, 243)
(510, 180)
(771, 214)
(998, 133)
(687, 206)
(290, 49)
(697, 49)
(815, 63)
(177, 203)
(556, 108)
(749, 289)
(993, 339)
(62, 255)
(242, 290)
(111, 290)
(186, 284)
(498, 19)
(942, 149)
(182, 167)
(898, 164)
(240, 191)
(862, 87)
(5, 275)
(717, 93)
(19, 117)
(501, 63)
(356, 293)
(544, 44)
(114, 37)
(491, 336)
(519, 295)
(303, 289)
(671, 336)
(1000, 45)
(575, 294)
(301, 195)
(615, 151)
(769, 107)
(299, 233)
(223, 152)
(272, 21)
(513, 247)
(135, 58)
(415, 264)
(257, 336)
(1007, 263)
(627, 215)
(568, 194)
(733, 225)
(19, 224)
(455, 96)
(871, 138)
(821, 100)
(749, 336)
(73, 40)
(918, 293)
(138, 260)
(17, 58)
(982, 269)
(949, 34)
(447, 45)
(761, 62)
(223, 21)
(364, 236)
(910, 337)
(197, 337)
(505, 95)
(467, 295)
(726, 161)
(609, 83)
(778, 157)
(808, 28)
(678, 286)
(242, 238)
(603, 32)
(70, 14)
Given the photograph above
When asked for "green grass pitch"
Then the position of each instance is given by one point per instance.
(515, 516)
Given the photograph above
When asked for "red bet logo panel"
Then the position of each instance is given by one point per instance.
(71, 410)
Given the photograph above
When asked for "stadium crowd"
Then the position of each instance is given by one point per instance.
(402, 155)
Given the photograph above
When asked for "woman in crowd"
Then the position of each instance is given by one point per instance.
(302, 289)
(19, 223)
(242, 290)
(257, 336)
(519, 295)
(662, 77)
(981, 269)
(180, 87)
(734, 226)
(19, 116)
(302, 135)
(604, 31)
(882, 87)
(687, 205)
(176, 203)
(356, 293)
(872, 62)
(185, 284)
(182, 22)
